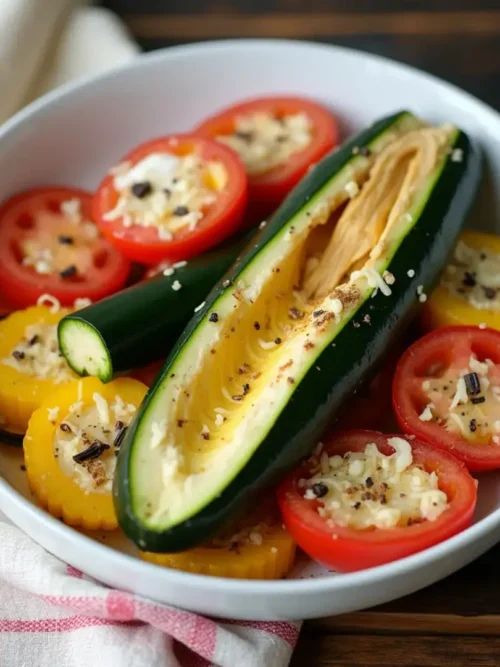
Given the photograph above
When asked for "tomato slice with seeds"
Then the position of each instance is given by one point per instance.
(190, 195)
(446, 391)
(345, 548)
(268, 187)
(49, 244)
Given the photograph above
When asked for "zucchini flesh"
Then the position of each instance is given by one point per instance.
(139, 325)
(254, 380)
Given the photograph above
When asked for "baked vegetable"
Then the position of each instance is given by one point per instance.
(277, 139)
(446, 391)
(172, 198)
(257, 547)
(31, 366)
(71, 445)
(367, 499)
(293, 329)
(140, 324)
(49, 244)
(469, 291)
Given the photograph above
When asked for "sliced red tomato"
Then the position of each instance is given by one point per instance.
(267, 189)
(220, 219)
(439, 360)
(49, 244)
(347, 549)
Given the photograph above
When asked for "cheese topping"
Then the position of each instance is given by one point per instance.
(37, 354)
(465, 402)
(369, 489)
(474, 276)
(167, 192)
(59, 242)
(87, 440)
(264, 141)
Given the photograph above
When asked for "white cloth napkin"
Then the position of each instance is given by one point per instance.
(51, 614)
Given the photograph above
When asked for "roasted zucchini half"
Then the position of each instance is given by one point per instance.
(294, 328)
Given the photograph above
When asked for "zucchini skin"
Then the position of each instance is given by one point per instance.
(140, 324)
(345, 365)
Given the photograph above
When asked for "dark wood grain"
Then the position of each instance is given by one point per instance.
(456, 622)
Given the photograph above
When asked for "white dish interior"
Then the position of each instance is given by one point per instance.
(74, 135)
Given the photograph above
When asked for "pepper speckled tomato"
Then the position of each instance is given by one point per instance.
(190, 195)
(446, 391)
(49, 244)
(269, 186)
(346, 548)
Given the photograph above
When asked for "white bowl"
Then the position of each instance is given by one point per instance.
(73, 135)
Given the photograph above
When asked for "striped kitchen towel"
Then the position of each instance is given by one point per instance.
(52, 614)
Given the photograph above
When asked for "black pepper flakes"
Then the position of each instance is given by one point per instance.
(181, 211)
(65, 428)
(34, 340)
(117, 442)
(277, 340)
(93, 452)
(18, 354)
(65, 240)
(489, 292)
(295, 314)
(205, 435)
(181, 422)
(317, 313)
(256, 326)
(68, 272)
(246, 389)
(290, 380)
(478, 399)
(213, 317)
(237, 397)
(22, 467)
(472, 384)
(369, 482)
(469, 279)
(365, 151)
(472, 425)
(383, 499)
(357, 505)
(246, 136)
(319, 489)
(141, 189)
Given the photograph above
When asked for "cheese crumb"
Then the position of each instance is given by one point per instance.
(457, 155)
(482, 325)
(422, 298)
(53, 413)
(427, 415)
(102, 407)
(352, 189)
(198, 308)
(410, 273)
(176, 286)
(82, 302)
(179, 265)
(49, 300)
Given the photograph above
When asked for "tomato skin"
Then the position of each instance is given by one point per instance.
(352, 549)
(267, 190)
(436, 345)
(223, 218)
(20, 285)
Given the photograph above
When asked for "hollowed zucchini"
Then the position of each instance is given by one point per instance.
(293, 330)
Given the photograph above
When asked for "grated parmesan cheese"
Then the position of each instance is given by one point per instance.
(49, 300)
(102, 407)
(369, 489)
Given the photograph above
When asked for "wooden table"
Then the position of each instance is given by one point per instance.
(457, 621)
